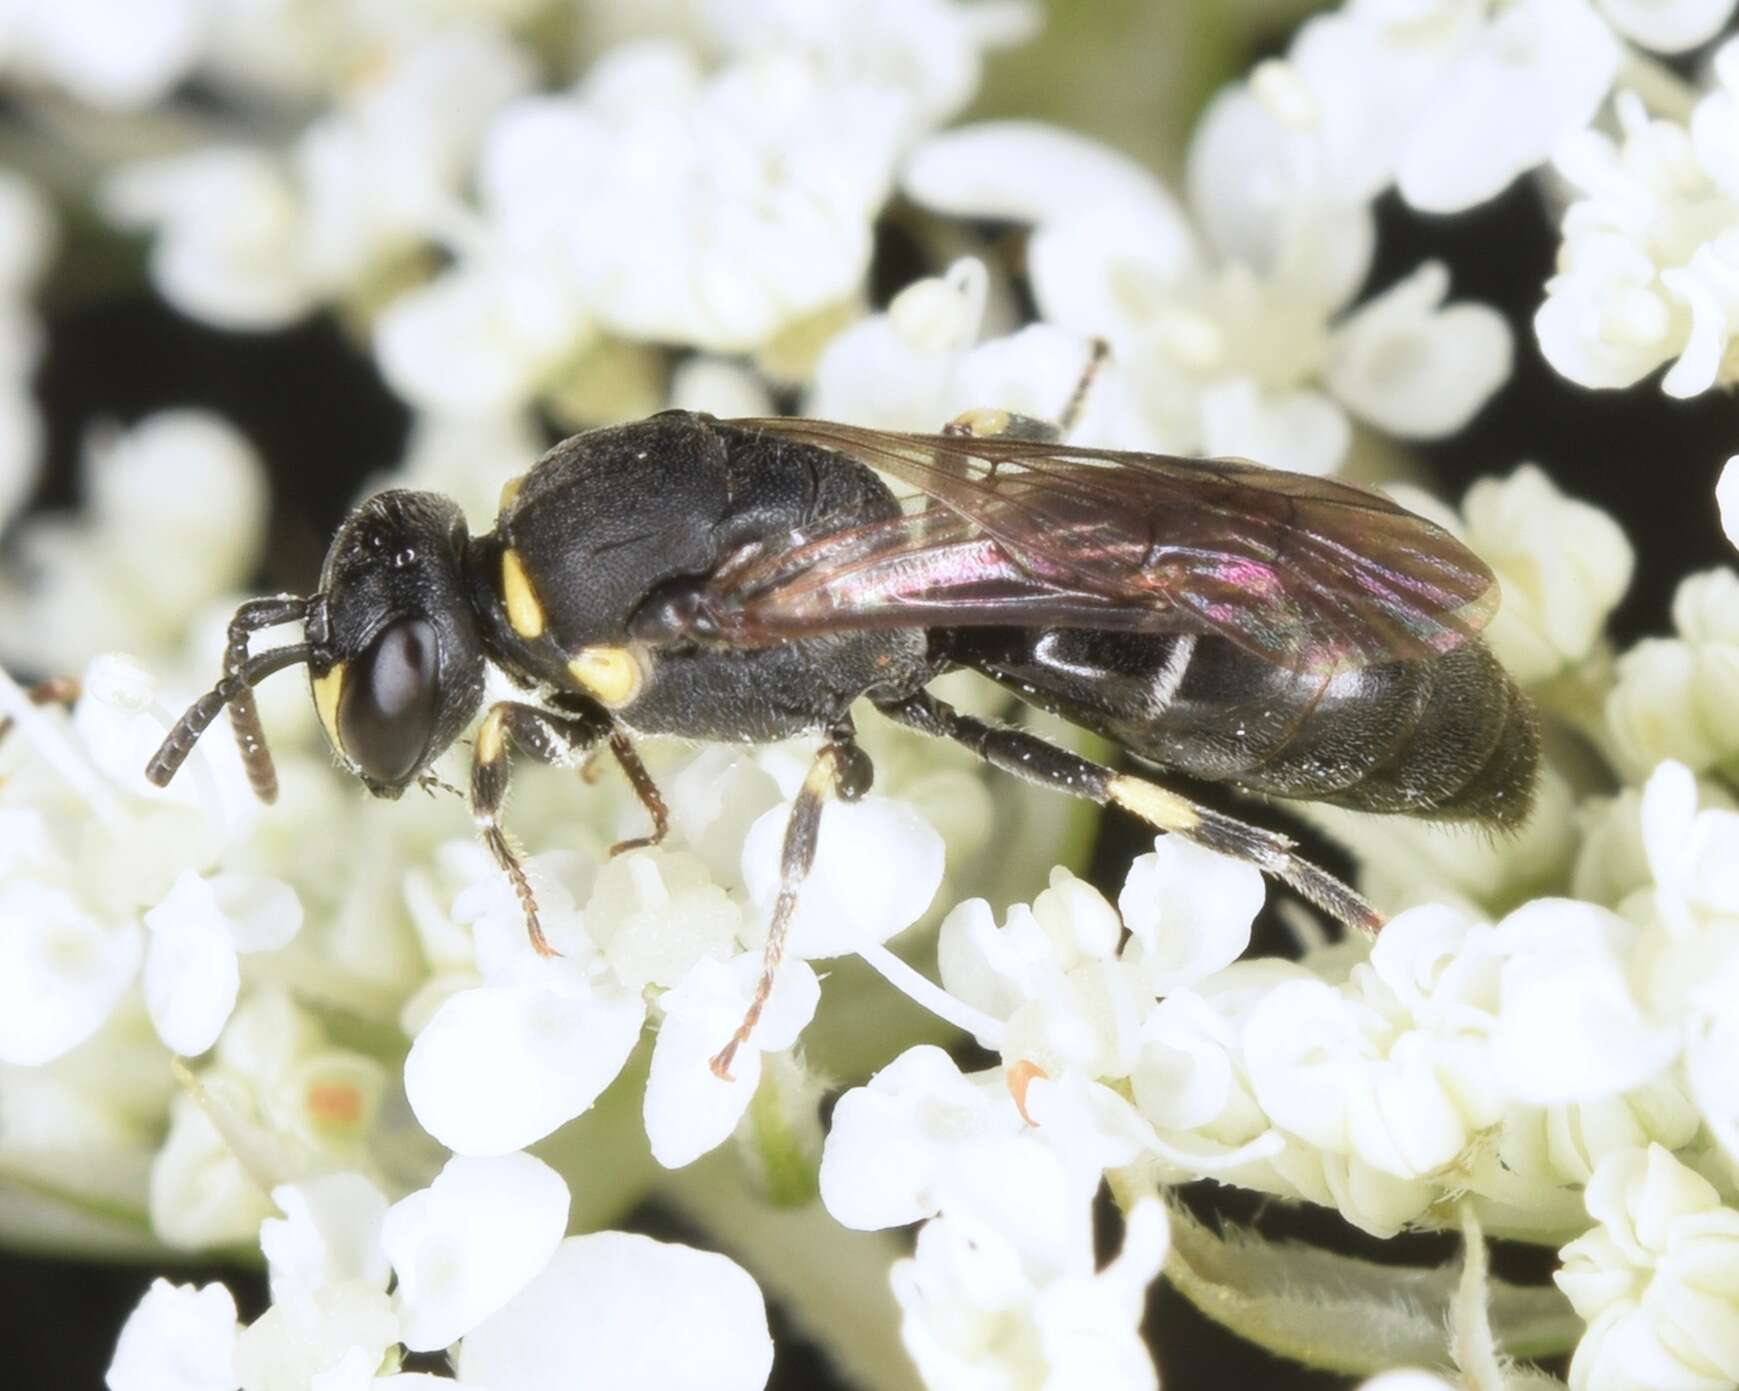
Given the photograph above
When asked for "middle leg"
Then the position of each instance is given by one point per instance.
(645, 789)
(840, 769)
(1027, 756)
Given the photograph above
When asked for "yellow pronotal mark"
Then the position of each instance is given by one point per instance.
(327, 689)
(523, 610)
(612, 674)
(509, 491)
(1154, 804)
(488, 747)
(985, 424)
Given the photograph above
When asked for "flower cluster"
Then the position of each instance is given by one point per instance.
(1646, 270)
(1231, 330)
(321, 1027)
(476, 1258)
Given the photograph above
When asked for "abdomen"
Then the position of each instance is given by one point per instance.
(1451, 737)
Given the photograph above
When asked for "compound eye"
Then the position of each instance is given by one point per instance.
(386, 716)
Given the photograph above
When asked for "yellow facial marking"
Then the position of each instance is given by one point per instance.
(985, 424)
(509, 491)
(1153, 804)
(327, 689)
(488, 747)
(523, 610)
(612, 674)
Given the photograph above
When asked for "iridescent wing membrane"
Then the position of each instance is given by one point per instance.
(1312, 573)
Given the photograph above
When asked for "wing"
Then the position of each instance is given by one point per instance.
(1310, 572)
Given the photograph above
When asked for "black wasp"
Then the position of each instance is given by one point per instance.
(748, 580)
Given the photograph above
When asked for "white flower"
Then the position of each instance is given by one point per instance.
(191, 972)
(306, 1339)
(927, 50)
(200, 1195)
(975, 1315)
(658, 915)
(1188, 910)
(1449, 100)
(277, 1104)
(180, 1338)
(61, 970)
(1727, 499)
(1405, 1379)
(249, 239)
(227, 225)
(502, 1066)
(1381, 1080)
(853, 895)
(1649, 266)
(1557, 595)
(1562, 565)
(110, 53)
(921, 1138)
(1391, 356)
(1051, 974)
(1569, 1027)
(603, 1312)
(921, 364)
(330, 1233)
(1670, 26)
(689, 1109)
(657, 202)
(1222, 347)
(467, 1244)
(1657, 1280)
(176, 512)
(1675, 697)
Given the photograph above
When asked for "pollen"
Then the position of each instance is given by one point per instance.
(1018, 1078)
(334, 1103)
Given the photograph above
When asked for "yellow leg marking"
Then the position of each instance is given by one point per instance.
(327, 690)
(1153, 804)
(985, 424)
(489, 738)
(510, 491)
(612, 674)
(523, 610)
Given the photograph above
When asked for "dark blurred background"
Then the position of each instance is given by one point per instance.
(316, 410)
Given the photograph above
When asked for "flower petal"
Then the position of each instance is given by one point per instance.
(330, 1232)
(180, 1338)
(1025, 171)
(1188, 911)
(617, 1309)
(688, 1108)
(1408, 365)
(499, 1067)
(469, 1242)
(61, 971)
(877, 866)
(191, 973)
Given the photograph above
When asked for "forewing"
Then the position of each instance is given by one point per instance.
(1311, 572)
